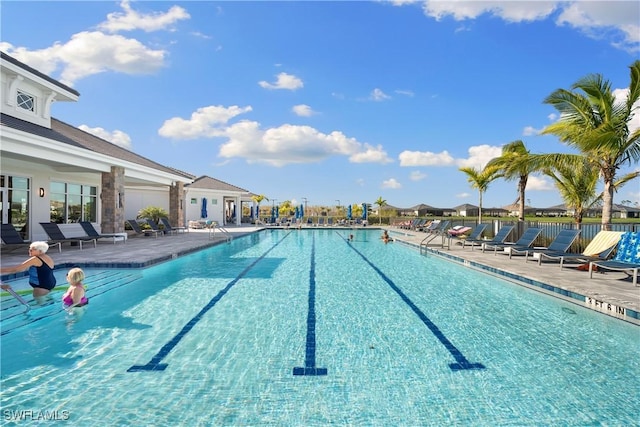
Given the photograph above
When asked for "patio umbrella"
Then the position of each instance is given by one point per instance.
(277, 213)
(349, 213)
(251, 212)
(297, 212)
(364, 211)
(203, 210)
(301, 211)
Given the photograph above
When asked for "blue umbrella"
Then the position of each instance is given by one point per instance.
(301, 211)
(364, 211)
(203, 210)
(349, 212)
(251, 212)
(277, 213)
(297, 212)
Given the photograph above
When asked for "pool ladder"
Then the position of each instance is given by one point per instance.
(212, 232)
(446, 240)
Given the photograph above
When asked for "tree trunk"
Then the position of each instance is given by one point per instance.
(480, 209)
(607, 204)
(521, 188)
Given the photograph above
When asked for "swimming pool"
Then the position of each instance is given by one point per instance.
(303, 327)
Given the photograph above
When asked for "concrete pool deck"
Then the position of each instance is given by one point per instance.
(612, 292)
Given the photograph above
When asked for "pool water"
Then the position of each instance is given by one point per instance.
(304, 328)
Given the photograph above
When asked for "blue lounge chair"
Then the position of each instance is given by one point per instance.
(500, 237)
(524, 242)
(474, 235)
(560, 245)
(627, 257)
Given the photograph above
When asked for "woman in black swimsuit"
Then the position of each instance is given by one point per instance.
(40, 266)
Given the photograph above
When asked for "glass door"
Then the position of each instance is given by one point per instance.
(15, 201)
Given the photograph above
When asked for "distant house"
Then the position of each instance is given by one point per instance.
(467, 210)
(514, 209)
(421, 210)
(624, 211)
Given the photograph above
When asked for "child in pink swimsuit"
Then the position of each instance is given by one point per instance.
(75, 296)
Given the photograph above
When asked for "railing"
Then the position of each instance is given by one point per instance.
(212, 232)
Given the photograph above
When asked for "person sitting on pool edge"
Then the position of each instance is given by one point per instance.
(75, 296)
(40, 266)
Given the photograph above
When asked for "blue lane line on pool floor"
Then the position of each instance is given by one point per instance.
(461, 362)
(310, 354)
(154, 364)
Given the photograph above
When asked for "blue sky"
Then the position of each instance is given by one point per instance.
(329, 101)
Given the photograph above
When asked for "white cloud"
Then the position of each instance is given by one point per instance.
(537, 183)
(621, 97)
(408, 93)
(463, 195)
(391, 183)
(89, 53)
(529, 131)
(289, 144)
(596, 19)
(205, 122)
(116, 137)
(511, 11)
(284, 81)
(425, 158)
(479, 156)
(303, 110)
(130, 20)
(417, 176)
(378, 95)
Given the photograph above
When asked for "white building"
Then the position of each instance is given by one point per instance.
(51, 171)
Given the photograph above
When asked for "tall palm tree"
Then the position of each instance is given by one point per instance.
(381, 203)
(577, 186)
(258, 198)
(513, 165)
(592, 121)
(481, 179)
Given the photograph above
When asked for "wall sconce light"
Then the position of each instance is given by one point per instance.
(41, 192)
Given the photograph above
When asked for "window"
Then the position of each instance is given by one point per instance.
(73, 203)
(25, 101)
(214, 201)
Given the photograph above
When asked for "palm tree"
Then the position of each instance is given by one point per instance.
(481, 179)
(513, 165)
(380, 202)
(592, 121)
(577, 186)
(258, 198)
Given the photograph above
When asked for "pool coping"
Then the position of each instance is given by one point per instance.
(619, 312)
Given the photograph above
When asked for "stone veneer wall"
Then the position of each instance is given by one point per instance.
(176, 205)
(112, 198)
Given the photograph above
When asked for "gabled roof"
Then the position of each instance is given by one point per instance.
(207, 183)
(37, 73)
(67, 134)
(465, 206)
(420, 207)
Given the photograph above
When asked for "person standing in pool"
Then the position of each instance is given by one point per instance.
(40, 266)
